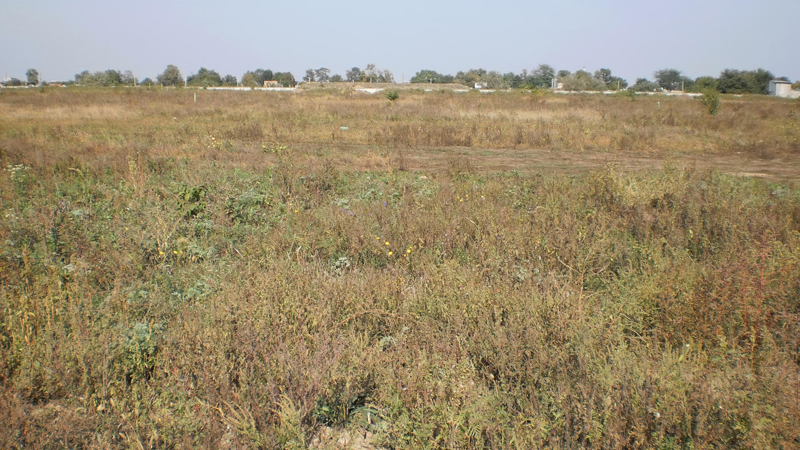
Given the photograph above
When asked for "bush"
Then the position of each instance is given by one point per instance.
(710, 101)
(392, 95)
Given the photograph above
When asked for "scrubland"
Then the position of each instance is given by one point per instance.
(448, 270)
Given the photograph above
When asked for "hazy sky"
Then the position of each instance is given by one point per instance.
(632, 38)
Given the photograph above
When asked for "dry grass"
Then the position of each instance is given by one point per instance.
(242, 273)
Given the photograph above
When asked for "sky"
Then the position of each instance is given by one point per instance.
(632, 38)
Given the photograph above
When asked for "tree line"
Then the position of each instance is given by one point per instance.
(729, 81)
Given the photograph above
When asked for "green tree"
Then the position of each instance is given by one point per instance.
(758, 81)
(431, 76)
(495, 80)
(323, 74)
(128, 78)
(702, 84)
(733, 81)
(310, 75)
(336, 78)
(229, 80)
(171, 76)
(426, 76)
(84, 78)
(205, 78)
(249, 79)
(644, 85)
(257, 77)
(582, 81)
(32, 76)
(471, 77)
(286, 79)
(354, 74)
(541, 77)
(610, 81)
(111, 78)
(671, 79)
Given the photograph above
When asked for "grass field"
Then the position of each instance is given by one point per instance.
(448, 270)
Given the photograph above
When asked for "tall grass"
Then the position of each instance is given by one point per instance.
(164, 289)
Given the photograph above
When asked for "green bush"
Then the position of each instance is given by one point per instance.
(710, 101)
(392, 95)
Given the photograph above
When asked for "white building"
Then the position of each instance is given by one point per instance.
(781, 88)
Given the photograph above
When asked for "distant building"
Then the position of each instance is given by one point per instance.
(271, 83)
(781, 88)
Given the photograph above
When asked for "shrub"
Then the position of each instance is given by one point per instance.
(392, 95)
(710, 101)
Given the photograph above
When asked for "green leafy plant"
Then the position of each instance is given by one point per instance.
(710, 101)
(392, 95)
(191, 200)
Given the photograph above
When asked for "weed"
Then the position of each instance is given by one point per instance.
(162, 289)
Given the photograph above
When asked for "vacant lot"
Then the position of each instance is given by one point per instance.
(448, 270)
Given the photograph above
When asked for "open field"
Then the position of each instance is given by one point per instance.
(449, 270)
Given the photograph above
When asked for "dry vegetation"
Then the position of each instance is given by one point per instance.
(241, 272)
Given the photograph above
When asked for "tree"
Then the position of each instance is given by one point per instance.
(733, 81)
(495, 80)
(170, 77)
(671, 79)
(84, 78)
(644, 85)
(309, 75)
(128, 78)
(431, 76)
(513, 80)
(257, 77)
(542, 76)
(582, 81)
(758, 81)
(563, 73)
(336, 78)
(603, 75)
(111, 78)
(204, 77)
(33, 76)
(108, 78)
(248, 79)
(354, 74)
(704, 83)
(610, 81)
(369, 75)
(323, 74)
(286, 79)
(229, 80)
(386, 76)
(471, 77)
(263, 75)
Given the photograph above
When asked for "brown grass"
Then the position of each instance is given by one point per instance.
(242, 273)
